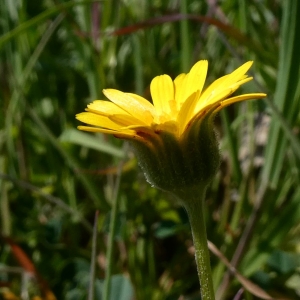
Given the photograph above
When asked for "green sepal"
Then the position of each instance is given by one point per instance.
(173, 164)
(202, 150)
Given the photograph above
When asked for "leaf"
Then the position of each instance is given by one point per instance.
(121, 288)
(166, 228)
(286, 97)
(283, 262)
(90, 141)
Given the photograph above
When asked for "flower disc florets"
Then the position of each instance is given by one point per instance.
(173, 137)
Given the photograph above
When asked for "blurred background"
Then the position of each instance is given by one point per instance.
(56, 56)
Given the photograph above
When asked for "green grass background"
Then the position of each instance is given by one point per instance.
(55, 57)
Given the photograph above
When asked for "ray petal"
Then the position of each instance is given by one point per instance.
(128, 133)
(194, 80)
(105, 108)
(230, 89)
(148, 105)
(219, 89)
(241, 71)
(240, 98)
(214, 98)
(162, 91)
(178, 83)
(97, 120)
(239, 75)
(132, 105)
(226, 81)
(186, 112)
(126, 120)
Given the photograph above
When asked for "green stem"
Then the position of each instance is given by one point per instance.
(195, 209)
(110, 248)
(112, 232)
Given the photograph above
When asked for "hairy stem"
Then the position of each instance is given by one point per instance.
(195, 209)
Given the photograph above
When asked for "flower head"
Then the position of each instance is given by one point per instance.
(177, 127)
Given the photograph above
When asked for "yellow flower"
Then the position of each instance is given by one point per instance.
(173, 137)
(176, 104)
